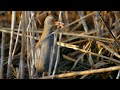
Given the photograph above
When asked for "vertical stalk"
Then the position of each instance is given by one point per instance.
(97, 23)
(58, 49)
(66, 20)
(29, 47)
(2, 55)
(58, 56)
(11, 44)
(81, 14)
(28, 50)
(54, 46)
(21, 64)
(32, 47)
(17, 37)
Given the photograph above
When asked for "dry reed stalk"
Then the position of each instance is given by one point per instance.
(108, 48)
(6, 58)
(117, 19)
(71, 34)
(117, 30)
(68, 58)
(66, 21)
(77, 42)
(99, 52)
(118, 75)
(7, 30)
(83, 76)
(75, 47)
(18, 31)
(114, 24)
(40, 30)
(22, 54)
(80, 19)
(32, 43)
(75, 37)
(14, 72)
(2, 55)
(99, 64)
(76, 62)
(28, 50)
(107, 27)
(54, 46)
(88, 45)
(58, 55)
(97, 24)
(77, 26)
(91, 60)
(11, 44)
(88, 36)
(81, 15)
(37, 17)
(87, 72)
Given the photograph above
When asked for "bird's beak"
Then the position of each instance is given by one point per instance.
(57, 23)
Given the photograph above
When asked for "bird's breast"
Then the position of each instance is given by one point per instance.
(43, 53)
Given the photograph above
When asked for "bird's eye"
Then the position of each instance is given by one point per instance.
(53, 20)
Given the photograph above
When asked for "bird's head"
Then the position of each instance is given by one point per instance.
(51, 21)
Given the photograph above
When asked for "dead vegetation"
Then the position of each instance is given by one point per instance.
(89, 44)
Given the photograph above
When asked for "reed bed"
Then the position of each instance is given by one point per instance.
(88, 46)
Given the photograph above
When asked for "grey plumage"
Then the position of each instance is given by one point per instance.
(43, 51)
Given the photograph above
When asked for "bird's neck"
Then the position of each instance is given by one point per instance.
(47, 30)
(45, 33)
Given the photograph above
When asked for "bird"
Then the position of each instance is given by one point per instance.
(43, 50)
